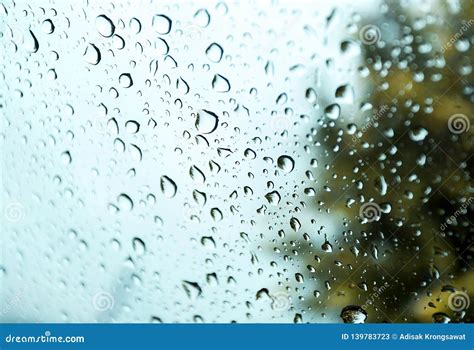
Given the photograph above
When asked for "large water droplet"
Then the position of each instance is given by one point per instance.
(206, 121)
(311, 96)
(286, 163)
(332, 111)
(418, 134)
(216, 214)
(168, 186)
(220, 83)
(125, 80)
(92, 54)
(161, 24)
(192, 289)
(353, 314)
(202, 18)
(139, 246)
(30, 42)
(135, 25)
(327, 247)
(214, 52)
(104, 26)
(273, 197)
(295, 224)
(47, 26)
(125, 202)
(345, 94)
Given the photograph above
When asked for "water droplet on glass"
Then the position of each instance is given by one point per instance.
(273, 197)
(202, 18)
(200, 197)
(92, 54)
(295, 224)
(66, 157)
(220, 83)
(418, 134)
(214, 52)
(104, 26)
(327, 247)
(332, 111)
(299, 277)
(47, 26)
(161, 24)
(208, 242)
(192, 289)
(125, 80)
(132, 126)
(125, 202)
(311, 96)
(440, 317)
(135, 25)
(345, 94)
(216, 214)
(286, 163)
(353, 314)
(206, 121)
(168, 187)
(139, 246)
(30, 42)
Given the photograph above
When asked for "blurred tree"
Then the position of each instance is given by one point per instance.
(405, 257)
